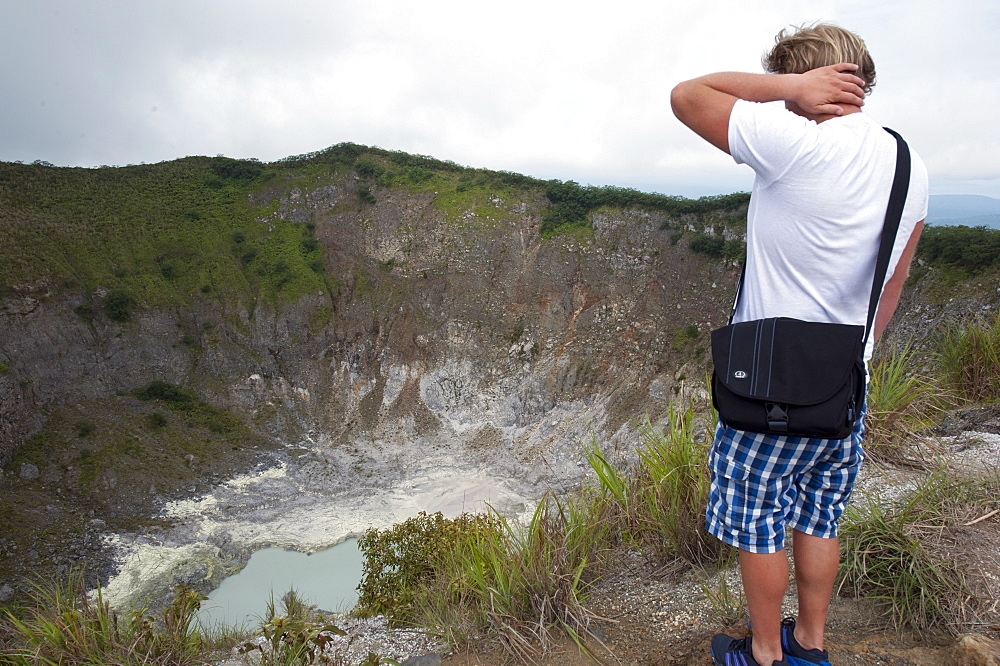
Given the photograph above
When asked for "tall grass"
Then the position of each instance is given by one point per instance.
(902, 404)
(523, 584)
(968, 358)
(662, 501)
(64, 626)
(893, 553)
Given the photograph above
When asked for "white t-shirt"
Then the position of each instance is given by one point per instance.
(816, 211)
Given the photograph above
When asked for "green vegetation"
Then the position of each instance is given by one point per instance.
(63, 626)
(151, 235)
(401, 559)
(299, 636)
(185, 402)
(969, 358)
(718, 247)
(685, 336)
(524, 584)
(971, 249)
(572, 204)
(118, 305)
(889, 554)
(661, 504)
(902, 404)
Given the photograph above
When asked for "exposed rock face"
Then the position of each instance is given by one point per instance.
(467, 325)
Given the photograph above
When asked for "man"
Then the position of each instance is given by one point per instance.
(823, 174)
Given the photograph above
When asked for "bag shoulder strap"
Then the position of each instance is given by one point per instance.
(893, 215)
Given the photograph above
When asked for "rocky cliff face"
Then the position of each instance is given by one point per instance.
(446, 331)
(465, 325)
(446, 350)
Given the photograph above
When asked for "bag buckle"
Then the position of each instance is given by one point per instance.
(777, 416)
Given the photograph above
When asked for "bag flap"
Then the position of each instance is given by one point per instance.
(786, 360)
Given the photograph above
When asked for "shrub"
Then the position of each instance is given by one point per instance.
(118, 305)
(243, 171)
(713, 246)
(401, 559)
(684, 336)
(296, 637)
(156, 420)
(366, 168)
(168, 271)
(171, 393)
(572, 203)
(972, 249)
(85, 428)
(85, 311)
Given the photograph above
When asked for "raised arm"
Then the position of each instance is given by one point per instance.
(705, 104)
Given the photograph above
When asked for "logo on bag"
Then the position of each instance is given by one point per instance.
(740, 374)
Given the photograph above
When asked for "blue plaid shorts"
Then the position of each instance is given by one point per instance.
(762, 484)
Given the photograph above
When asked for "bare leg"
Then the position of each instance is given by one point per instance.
(816, 562)
(765, 580)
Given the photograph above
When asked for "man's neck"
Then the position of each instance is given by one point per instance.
(848, 110)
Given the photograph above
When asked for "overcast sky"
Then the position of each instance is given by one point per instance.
(574, 90)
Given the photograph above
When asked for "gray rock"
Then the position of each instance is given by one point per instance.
(423, 660)
(6, 593)
(977, 650)
(29, 471)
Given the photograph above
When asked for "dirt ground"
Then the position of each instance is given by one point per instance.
(670, 622)
(668, 618)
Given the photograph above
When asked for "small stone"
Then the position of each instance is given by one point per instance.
(28, 471)
(423, 660)
(977, 650)
(6, 593)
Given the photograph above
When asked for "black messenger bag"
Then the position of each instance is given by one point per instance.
(783, 376)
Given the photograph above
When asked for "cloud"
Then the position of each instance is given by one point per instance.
(557, 89)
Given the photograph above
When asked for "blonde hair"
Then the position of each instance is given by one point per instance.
(799, 50)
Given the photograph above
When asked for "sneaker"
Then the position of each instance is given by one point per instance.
(796, 654)
(729, 651)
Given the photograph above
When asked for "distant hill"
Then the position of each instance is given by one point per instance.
(968, 209)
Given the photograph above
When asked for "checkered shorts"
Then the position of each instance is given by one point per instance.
(762, 484)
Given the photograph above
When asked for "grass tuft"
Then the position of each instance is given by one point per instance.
(968, 358)
(894, 553)
(63, 626)
(902, 404)
(662, 502)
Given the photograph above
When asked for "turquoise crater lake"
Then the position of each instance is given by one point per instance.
(327, 579)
